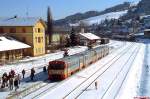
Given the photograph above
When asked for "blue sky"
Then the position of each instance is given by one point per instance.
(60, 8)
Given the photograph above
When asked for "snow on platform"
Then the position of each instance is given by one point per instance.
(123, 65)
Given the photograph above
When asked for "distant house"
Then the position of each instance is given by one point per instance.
(88, 39)
(11, 49)
(27, 30)
(147, 33)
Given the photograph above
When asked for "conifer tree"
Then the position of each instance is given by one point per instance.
(49, 24)
(73, 38)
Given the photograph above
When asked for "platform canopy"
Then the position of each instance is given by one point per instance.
(8, 43)
(90, 36)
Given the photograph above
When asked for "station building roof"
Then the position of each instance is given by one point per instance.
(18, 21)
(8, 43)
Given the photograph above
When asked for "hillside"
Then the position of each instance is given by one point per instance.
(143, 8)
(81, 16)
(108, 16)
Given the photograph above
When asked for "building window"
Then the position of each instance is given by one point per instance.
(12, 30)
(36, 40)
(23, 30)
(39, 30)
(39, 40)
(39, 50)
(1, 30)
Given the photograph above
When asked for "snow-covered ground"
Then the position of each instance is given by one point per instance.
(99, 19)
(144, 87)
(38, 62)
(115, 72)
(118, 75)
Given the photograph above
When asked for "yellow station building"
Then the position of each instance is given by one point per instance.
(28, 30)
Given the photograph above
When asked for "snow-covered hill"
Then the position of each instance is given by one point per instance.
(99, 19)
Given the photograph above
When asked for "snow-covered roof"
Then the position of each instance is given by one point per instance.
(8, 43)
(28, 21)
(147, 30)
(90, 36)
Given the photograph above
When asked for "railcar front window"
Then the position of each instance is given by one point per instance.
(57, 66)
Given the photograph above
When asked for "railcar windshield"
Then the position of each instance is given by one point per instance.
(56, 65)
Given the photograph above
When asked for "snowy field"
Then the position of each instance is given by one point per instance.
(99, 19)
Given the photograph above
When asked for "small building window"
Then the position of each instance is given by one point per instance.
(12, 30)
(36, 39)
(39, 40)
(1, 30)
(23, 30)
(39, 30)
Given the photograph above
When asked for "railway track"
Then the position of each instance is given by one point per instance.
(120, 55)
(34, 87)
(134, 53)
(48, 89)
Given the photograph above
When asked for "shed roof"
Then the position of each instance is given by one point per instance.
(90, 36)
(8, 43)
(17, 21)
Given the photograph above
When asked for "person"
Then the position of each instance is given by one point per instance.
(66, 53)
(11, 83)
(16, 84)
(19, 78)
(23, 73)
(32, 73)
(4, 80)
(12, 73)
(44, 69)
(96, 84)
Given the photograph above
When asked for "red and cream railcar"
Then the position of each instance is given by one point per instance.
(63, 68)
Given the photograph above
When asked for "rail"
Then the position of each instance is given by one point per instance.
(53, 86)
(134, 52)
(100, 69)
(125, 76)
